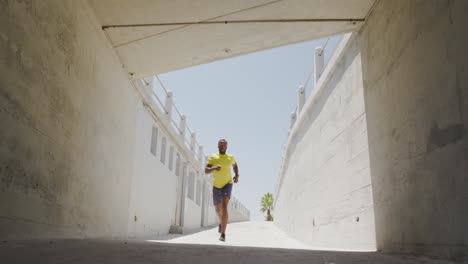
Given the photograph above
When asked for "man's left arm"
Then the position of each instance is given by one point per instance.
(236, 171)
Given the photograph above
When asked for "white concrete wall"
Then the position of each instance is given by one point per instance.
(414, 73)
(192, 216)
(212, 218)
(67, 113)
(153, 196)
(324, 196)
(236, 212)
(415, 62)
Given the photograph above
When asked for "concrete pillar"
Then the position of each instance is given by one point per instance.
(168, 105)
(193, 139)
(203, 203)
(178, 226)
(148, 86)
(184, 192)
(319, 63)
(200, 154)
(182, 125)
(151, 83)
(293, 120)
(300, 98)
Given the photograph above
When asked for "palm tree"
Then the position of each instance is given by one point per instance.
(267, 205)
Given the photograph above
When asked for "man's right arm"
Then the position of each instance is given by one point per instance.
(210, 168)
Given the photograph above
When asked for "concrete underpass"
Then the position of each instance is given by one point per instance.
(250, 242)
(379, 148)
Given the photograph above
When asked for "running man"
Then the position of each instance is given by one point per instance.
(220, 165)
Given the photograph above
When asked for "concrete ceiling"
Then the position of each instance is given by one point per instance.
(148, 50)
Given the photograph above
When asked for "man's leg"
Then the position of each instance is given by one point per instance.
(219, 212)
(225, 215)
(218, 203)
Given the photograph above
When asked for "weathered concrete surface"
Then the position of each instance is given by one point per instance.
(153, 191)
(250, 239)
(67, 114)
(157, 49)
(415, 61)
(414, 70)
(325, 196)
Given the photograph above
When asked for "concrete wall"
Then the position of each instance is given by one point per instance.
(192, 216)
(193, 211)
(68, 124)
(236, 211)
(414, 73)
(211, 217)
(325, 197)
(415, 63)
(153, 196)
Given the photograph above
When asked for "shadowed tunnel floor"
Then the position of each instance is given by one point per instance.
(203, 248)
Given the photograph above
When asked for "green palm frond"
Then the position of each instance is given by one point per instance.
(266, 202)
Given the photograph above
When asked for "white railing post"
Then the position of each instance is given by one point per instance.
(193, 139)
(200, 153)
(293, 120)
(300, 98)
(168, 105)
(318, 63)
(182, 125)
(144, 87)
(151, 84)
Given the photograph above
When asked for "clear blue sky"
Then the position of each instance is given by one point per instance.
(247, 100)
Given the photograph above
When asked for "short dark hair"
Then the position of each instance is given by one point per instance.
(222, 140)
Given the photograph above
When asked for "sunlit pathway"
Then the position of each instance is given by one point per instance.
(249, 242)
(246, 234)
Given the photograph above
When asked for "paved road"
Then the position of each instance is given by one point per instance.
(249, 242)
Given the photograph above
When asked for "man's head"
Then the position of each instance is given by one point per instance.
(222, 146)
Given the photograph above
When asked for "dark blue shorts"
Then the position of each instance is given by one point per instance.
(220, 193)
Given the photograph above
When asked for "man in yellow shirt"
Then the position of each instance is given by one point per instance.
(220, 165)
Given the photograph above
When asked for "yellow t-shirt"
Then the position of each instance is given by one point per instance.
(222, 177)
